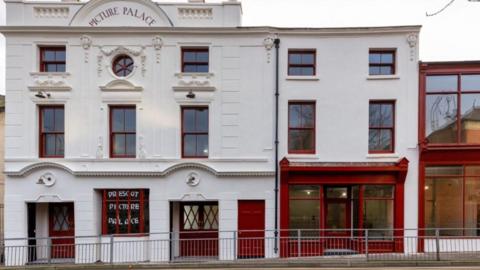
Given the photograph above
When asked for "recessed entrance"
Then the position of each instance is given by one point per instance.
(195, 225)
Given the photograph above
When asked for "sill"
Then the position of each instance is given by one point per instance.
(194, 74)
(302, 78)
(383, 77)
(382, 155)
(302, 156)
(36, 73)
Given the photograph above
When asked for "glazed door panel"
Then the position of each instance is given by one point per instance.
(62, 230)
(199, 229)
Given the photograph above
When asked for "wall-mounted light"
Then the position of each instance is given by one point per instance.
(190, 94)
(41, 94)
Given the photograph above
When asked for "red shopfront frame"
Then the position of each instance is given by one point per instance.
(345, 174)
(453, 154)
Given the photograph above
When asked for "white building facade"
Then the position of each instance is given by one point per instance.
(158, 121)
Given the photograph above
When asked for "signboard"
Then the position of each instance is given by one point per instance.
(110, 12)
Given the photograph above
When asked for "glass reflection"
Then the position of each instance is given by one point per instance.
(441, 116)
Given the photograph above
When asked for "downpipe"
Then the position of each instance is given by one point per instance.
(277, 94)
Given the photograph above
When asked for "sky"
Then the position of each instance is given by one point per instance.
(451, 35)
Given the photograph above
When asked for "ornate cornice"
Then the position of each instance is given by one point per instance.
(180, 166)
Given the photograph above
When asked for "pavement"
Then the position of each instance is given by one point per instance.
(310, 266)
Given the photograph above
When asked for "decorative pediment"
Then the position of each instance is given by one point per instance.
(120, 86)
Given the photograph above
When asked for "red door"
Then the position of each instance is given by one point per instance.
(251, 229)
(199, 229)
(62, 230)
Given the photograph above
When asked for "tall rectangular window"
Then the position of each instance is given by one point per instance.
(52, 59)
(125, 211)
(52, 129)
(301, 62)
(451, 109)
(301, 127)
(195, 60)
(381, 127)
(123, 131)
(195, 132)
(381, 62)
(452, 200)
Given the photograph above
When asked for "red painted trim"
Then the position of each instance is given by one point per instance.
(41, 136)
(183, 133)
(112, 133)
(307, 151)
(104, 212)
(194, 50)
(303, 51)
(369, 174)
(393, 52)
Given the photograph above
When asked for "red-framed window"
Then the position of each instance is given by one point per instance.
(195, 132)
(123, 131)
(381, 62)
(195, 60)
(52, 131)
(125, 211)
(301, 127)
(381, 134)
(451, 200)
(378, 210)
(199, 216)
(302, 62)
(304, 206)
(452, 108)
(52, 59)
(122, 65)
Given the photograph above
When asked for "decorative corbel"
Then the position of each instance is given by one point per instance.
(268, 43)
(157, 45)
(86, 43)
(412, 40)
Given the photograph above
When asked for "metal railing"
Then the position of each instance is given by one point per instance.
(361, 245)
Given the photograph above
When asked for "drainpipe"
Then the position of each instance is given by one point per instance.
(277, 94)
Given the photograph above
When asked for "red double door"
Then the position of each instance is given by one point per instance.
(62, 230)
(251, 229)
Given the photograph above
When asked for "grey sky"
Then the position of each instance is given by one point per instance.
(451, 35)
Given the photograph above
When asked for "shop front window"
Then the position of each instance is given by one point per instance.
(304, 207)
(378, 210)
(125, 211)
(452, 200)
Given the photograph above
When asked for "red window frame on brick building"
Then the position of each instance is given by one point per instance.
(302, 126)
(114, 199)
(383, 125)
(58, 61)
(55, 131)
(126, 132)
